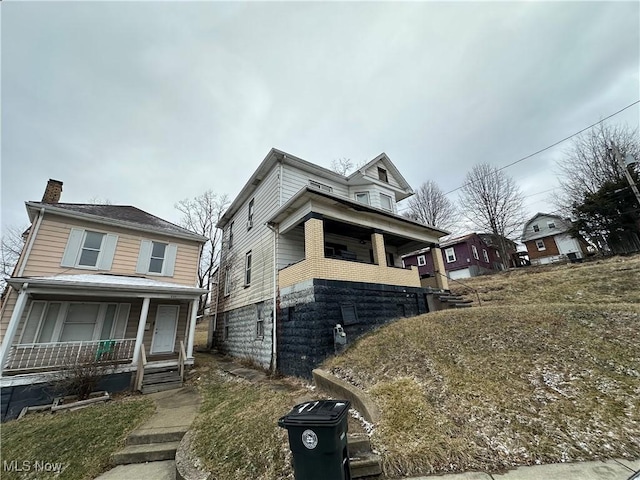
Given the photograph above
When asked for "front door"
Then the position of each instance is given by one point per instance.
(164, 333)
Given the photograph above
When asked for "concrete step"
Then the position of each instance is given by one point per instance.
(160, 387)
(358, 443)
(152, 452)
(461, 305)
(365, 465)
(169, 434)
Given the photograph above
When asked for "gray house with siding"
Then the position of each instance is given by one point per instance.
(304, 249)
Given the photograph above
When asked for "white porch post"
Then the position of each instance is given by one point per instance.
(141, 325)
(12, 328)
(192, 327)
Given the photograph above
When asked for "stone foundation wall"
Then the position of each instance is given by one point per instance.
(242, 338)
(308, 311)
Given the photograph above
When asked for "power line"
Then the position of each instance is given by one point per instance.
(554, 144)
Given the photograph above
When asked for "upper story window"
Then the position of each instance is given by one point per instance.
(227, 282)
(89, 249)
(536, 228)
(450, 254)
(474, 250)
(320, 186)
(156, 258)
(250, 215)
(247, 269)
(485, 255)
(382, 175)
(498, 253)
(421, 261)
(158, 252)
(363, 197)
(230, 234)
(551, 224)
(540, 245)
(385, 202)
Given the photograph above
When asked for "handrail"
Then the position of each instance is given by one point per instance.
(142, 362)
(464, 285)
(181, 358)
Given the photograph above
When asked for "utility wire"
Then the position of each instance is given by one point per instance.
(554, 144)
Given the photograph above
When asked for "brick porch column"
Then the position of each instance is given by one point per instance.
(438, 269)
(379, 253)
(313, 238)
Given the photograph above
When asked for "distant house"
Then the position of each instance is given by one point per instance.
(464, 256)
(304, 249)
(547, 240)
(105, 282)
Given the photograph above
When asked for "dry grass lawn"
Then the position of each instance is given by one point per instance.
(547, 370)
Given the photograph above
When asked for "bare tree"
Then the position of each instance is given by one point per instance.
(430, 206)
(201, 215)
(590, 163)
(492, 201)
(342, 165)
(10, 249)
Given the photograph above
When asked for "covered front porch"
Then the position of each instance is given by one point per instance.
(60, 321)
(318, 238)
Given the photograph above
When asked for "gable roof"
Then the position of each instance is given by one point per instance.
(275, 156)
(125, 216)
(566, 222)
(540, 214)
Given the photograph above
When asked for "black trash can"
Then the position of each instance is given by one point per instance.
(318, 439)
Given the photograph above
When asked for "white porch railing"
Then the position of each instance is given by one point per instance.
(39, 356)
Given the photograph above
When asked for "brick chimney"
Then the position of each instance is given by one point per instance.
(52, 192)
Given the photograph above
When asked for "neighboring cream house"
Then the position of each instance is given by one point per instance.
(105, 280)
(547, 240)
(311, 249)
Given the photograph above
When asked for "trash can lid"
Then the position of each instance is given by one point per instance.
(316, 413)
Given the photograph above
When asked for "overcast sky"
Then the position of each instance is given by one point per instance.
(148, 103)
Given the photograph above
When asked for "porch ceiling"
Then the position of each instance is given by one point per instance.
(106, 285)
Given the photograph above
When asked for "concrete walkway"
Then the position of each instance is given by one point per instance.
(175, 410)
(605, 470)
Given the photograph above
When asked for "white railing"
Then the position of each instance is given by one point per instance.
(38, 356)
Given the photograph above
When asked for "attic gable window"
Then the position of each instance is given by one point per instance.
(551, 224)
(536, 228)
(320, 186)
(382, 175)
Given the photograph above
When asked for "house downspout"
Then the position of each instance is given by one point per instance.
(274, 352)
(32, 239)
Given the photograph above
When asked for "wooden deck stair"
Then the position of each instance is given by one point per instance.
(159, 379)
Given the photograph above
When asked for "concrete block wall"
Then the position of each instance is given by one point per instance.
(242, 340)
(308, 312)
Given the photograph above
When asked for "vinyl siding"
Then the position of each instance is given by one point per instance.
(291, 247)
(259, 240)
(50, 243)
(7, 311)
(374, 194)
(372, 172)
(293, 179)
(544, 231)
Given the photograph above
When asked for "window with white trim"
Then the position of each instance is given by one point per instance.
(474, 251)
(485, 255)
(89, 249)
(320, 186)
(363, 197)
(382, 175)
(49, 322)
(250, 215)
(450, 255)
(227, 282)
(230, 235)
(540, 245)
(498, 253)
(247, 269)
(156, 258)
(259, 321)
(386, 203)
(422, 261)
(536, 228)
(551, 224)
